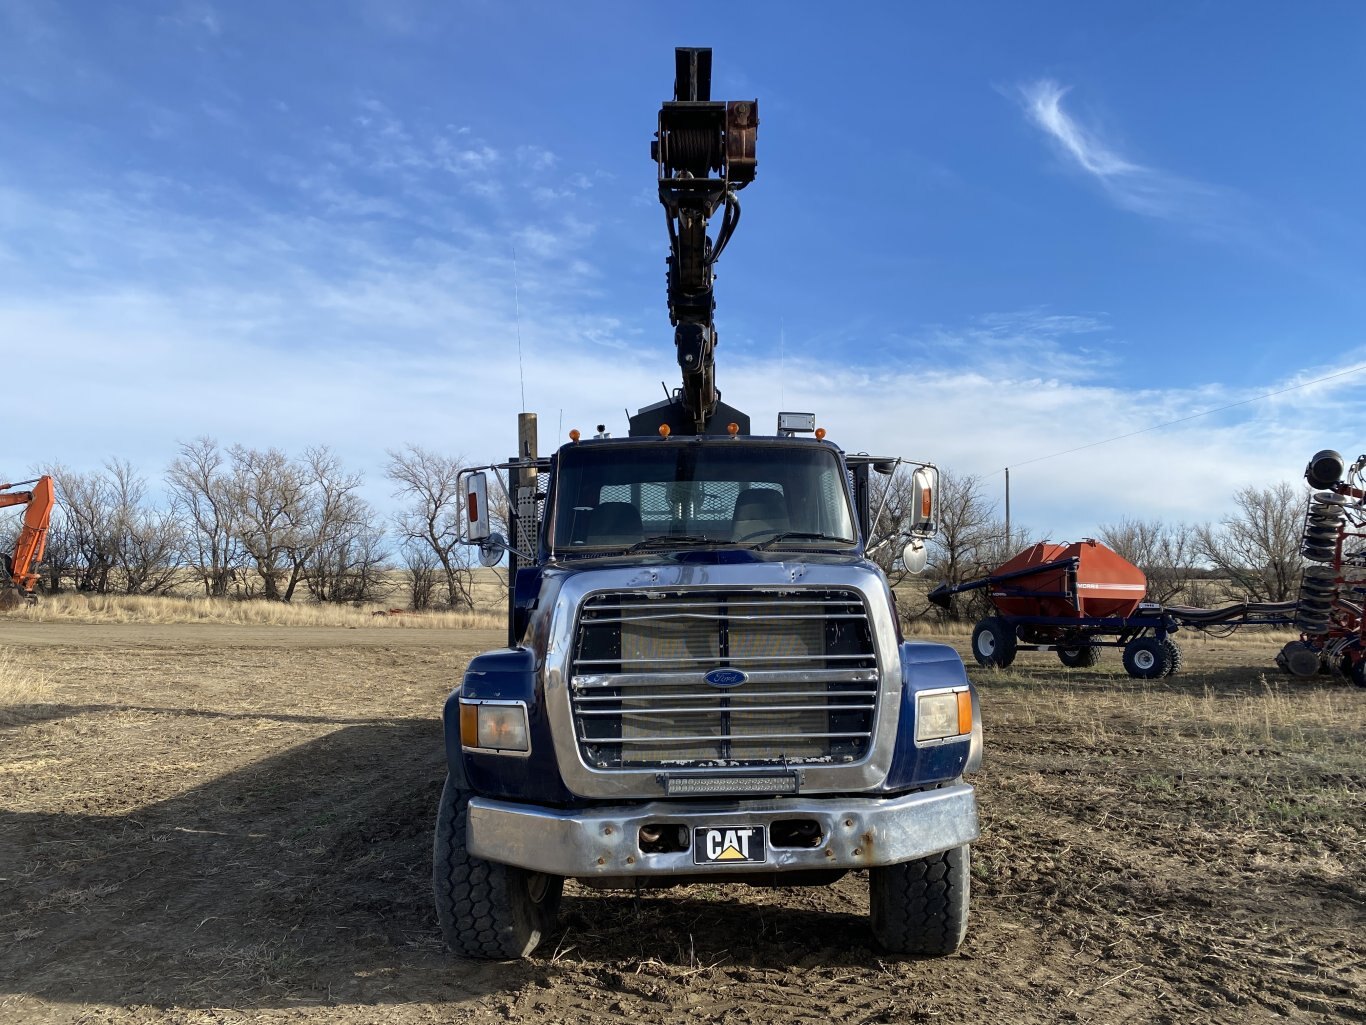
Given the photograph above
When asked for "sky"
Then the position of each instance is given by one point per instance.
(981, 234)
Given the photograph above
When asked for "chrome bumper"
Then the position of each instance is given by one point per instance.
(857, 833)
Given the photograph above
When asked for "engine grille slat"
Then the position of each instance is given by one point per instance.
(639, 693)
(710, 737)
(732, 709)
(588, 699)
(703, 658)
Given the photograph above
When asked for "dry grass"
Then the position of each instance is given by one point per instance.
(20, 685)
(82, 608)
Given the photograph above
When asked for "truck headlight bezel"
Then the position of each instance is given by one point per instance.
(495, 726)
(943, 715)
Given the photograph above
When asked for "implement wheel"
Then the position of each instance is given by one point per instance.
(1083, 656)
(487, 910)
(1174, 659)
(993, 642)
(1355, 672)
(1147, 658)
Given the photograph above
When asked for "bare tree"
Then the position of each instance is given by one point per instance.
(271, 496)
(115, 542)
(421, 568)
(146, 541)
(1258, 546)
(88, 511)
(342, 554)
(971, 541)
(428, 481)
(1168, 555)
(202, 500)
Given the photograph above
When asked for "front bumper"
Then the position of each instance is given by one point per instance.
(856, 833)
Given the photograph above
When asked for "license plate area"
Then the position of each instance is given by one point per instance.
(729, 845)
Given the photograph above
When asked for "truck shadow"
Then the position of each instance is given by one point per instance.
(300, 879)
(304, 879)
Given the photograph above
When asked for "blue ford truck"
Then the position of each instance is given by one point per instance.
(705, 677)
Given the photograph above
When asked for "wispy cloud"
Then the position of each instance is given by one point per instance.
(1133, 186)
(242, 322)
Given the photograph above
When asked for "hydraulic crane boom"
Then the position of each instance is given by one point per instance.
(705, 153)
(17, 576)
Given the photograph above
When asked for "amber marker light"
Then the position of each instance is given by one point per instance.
(574, 434)
(732, 429)
(664, 431)
(964, 712)
(820, 433)
(469, 725)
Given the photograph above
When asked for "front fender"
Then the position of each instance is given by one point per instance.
(506, 675)
(927, 666)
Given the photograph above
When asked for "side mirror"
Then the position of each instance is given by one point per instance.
(477, 507)
(925, 502)
(915, 557)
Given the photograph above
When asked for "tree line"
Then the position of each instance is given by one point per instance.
(241, 522)
(1252, 553)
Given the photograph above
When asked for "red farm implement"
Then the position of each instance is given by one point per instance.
(1333, 588)
(1078, 598)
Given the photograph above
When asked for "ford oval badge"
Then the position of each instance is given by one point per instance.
(726, 677)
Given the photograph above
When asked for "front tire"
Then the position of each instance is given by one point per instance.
(921, 907)
(993, 642)
(487, 910)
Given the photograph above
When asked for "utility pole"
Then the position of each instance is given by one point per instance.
(1008, 545)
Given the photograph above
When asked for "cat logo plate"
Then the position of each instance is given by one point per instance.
(728, 845)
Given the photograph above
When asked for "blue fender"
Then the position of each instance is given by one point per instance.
(927, 666)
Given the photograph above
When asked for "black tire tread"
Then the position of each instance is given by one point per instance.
(1081, 656)
(1177, 660)
(1006, 646)
(473, 897)
(1159, 649)
(921, 907)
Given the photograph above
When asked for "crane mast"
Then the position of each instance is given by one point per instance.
(704, 150)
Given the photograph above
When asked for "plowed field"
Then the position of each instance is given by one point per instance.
(225, 824)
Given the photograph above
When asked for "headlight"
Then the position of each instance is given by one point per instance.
(495, 726)
(942, 715)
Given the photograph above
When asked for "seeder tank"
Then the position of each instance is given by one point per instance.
(1077, 580)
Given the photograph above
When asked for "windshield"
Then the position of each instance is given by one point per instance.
(699, 493)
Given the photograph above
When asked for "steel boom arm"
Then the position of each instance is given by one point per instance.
(705, 153)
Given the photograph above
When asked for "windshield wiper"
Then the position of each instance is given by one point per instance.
(799, 535)
(668, 540)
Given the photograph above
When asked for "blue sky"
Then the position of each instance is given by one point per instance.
(980, 233)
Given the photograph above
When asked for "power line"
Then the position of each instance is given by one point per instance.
(1193, 416)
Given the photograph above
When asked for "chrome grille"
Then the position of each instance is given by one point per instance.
(640, 698)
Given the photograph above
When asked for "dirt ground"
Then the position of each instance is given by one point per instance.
(226, 824)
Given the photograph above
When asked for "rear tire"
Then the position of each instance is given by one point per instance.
(993, 643)
(1174, 658)
(486, 909)
(1081, 657)
(1146, 658)
(921, 907)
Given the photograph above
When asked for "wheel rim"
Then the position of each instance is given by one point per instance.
(986, 643)
(537, 886)
(1144, 659)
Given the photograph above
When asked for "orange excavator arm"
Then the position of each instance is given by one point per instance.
(28, 550)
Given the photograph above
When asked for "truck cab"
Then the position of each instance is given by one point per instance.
(705, 680)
